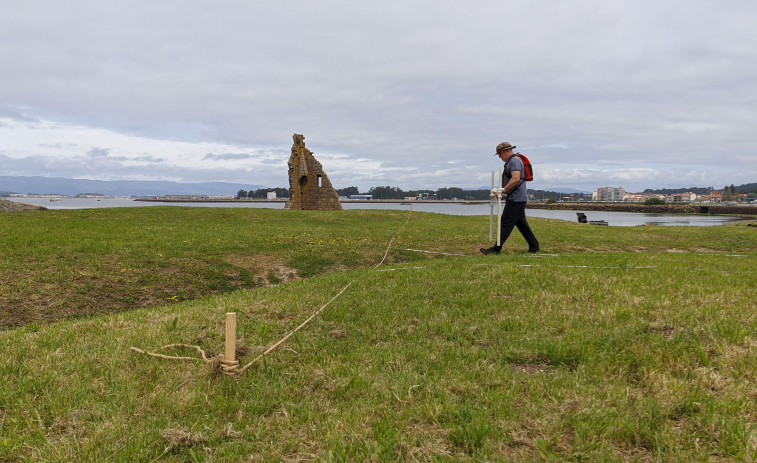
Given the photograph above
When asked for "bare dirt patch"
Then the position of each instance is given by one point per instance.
(268, 270)
(528, 368)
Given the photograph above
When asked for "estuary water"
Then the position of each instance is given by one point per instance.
(618, 219)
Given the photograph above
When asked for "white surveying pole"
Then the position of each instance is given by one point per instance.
(491, 212)
(499, 209)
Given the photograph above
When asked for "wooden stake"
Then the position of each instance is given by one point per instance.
(231, 337)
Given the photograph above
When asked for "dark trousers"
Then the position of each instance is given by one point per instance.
(514, 215)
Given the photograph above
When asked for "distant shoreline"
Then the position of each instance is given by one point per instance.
(586, 206)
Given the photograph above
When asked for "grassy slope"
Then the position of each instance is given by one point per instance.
(600, 352)
(62, 264)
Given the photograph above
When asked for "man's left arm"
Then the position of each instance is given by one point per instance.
(513, 182)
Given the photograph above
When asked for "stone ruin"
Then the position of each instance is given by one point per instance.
(309, 187)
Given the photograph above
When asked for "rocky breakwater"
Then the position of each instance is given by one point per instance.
(743, 209)
(10, 206)
(618, 207)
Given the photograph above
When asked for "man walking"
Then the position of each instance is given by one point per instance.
(515, 193)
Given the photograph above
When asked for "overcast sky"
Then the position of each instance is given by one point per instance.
(413, 94)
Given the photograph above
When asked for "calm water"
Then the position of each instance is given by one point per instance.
(619, 219)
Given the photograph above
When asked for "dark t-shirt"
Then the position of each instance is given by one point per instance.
(520, 194)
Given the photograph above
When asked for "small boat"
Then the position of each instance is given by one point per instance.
(583, 219)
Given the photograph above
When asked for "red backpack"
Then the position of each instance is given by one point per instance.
(528, 170)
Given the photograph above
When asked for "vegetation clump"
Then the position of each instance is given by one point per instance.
(12, 206)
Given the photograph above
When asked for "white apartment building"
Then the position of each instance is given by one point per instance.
(608, 193)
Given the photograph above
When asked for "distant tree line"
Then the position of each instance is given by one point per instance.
(262, 193)
(393, 192)
(748, 188)
(390, 192)
(730, 190)
(350, 190)
(733, 193)
(677, 191)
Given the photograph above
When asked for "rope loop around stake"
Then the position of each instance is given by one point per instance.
(230, 367)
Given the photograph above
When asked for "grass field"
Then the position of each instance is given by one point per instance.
(614, 344)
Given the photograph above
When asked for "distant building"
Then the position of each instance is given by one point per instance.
(682, 198)
(635, 197)
(608, 193)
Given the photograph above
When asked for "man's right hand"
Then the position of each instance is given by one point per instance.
(498, 193)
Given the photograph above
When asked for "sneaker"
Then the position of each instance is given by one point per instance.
(534, 250)
(491, 250)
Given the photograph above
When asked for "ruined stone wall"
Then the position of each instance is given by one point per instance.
(309, 186)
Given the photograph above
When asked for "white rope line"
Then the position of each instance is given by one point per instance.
(396, 269)
(593, 266)
(434, 252)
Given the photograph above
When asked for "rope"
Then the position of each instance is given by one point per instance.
(174, 357)
(231, 368)
(395, 236)
(436, 252)
(303, 324)
(282, 340)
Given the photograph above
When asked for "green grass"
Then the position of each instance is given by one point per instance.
(68, 264)
(63, 264)
(615, 344)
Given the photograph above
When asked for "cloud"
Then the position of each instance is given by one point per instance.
(98, 152)
(384, 92)
(9, 112)
(227, 156)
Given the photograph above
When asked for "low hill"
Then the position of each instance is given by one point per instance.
(73, 187)
(747, 188)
